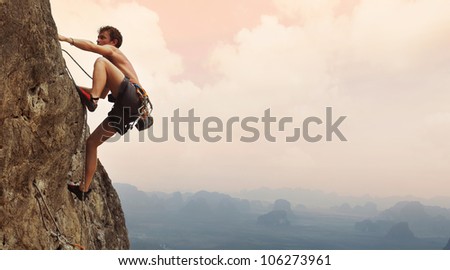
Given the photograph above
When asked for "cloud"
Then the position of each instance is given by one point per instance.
(381, 64)
(307, 10)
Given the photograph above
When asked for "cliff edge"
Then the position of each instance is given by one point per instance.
(42, 142)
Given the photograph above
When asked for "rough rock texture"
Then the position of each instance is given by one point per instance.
(42, 143)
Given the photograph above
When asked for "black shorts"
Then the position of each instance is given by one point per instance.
(126, 108)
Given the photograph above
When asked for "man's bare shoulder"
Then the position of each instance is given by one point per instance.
(109, 48)
(119, 59)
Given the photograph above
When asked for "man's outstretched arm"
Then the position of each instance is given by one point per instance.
(86, 45)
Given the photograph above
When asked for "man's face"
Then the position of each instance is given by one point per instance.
(104, 39)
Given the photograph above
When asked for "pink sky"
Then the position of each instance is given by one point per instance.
(382, 63)
(194, 36)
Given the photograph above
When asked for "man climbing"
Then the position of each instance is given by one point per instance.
(113, 73)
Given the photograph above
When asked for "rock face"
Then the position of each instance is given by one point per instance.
(42, 143)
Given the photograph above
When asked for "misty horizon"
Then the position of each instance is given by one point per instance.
(212, 220)
(313, 198)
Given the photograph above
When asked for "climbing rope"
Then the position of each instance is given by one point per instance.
(75, 61)
(58, 234)
(83, 181)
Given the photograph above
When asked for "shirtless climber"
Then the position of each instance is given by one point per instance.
(112, 73)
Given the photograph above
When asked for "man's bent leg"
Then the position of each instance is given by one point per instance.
(106, 76)
(102, 133)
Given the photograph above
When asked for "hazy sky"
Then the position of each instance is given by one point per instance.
(384, 64)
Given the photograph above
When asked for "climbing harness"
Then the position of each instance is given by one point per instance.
(144, 120)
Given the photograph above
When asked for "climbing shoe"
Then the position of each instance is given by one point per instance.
(75, 189)
(87, 99)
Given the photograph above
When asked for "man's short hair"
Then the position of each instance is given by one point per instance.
(113, 33)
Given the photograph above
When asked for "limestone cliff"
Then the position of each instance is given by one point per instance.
(42, 143)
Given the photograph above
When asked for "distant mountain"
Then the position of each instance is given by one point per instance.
(283, 205)
(214, 205)
(378, 227)
(424, 220)
(414, 210)
(212, 220)
(197, 209)
(320, 199)
(200, 206)
(406, 211)
(274, 218)
(447, 247)
(401, 232)
(137, 202)
(129, 191)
